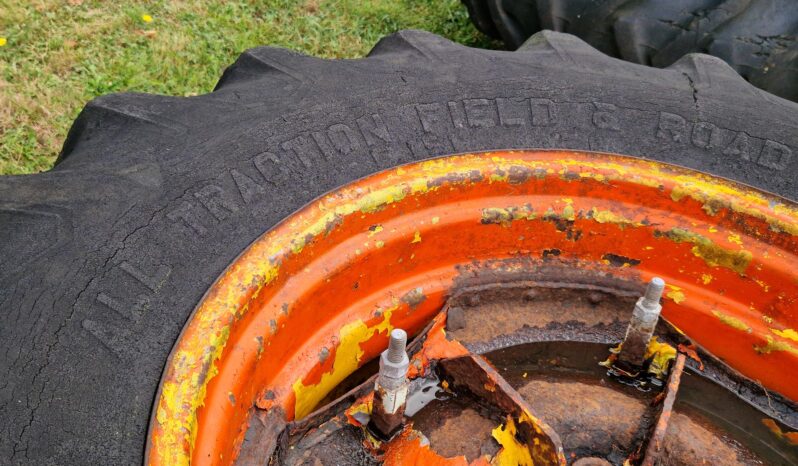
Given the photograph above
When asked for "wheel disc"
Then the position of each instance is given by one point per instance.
(315, 298)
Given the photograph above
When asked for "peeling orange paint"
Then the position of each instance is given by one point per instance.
(790, 436)
(436, 346)
(363, 406)
(406, 450)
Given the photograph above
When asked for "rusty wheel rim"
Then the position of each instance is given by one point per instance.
(315, 297)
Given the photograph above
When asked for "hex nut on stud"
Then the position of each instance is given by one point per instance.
(394, 361)
(641, 327)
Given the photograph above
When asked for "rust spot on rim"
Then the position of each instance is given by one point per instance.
(345, 281)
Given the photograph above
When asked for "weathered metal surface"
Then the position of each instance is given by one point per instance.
(524, 437)
(508, 314)
(385, 423)
(261, 438)
(459, 426)
(656, 441)
(791, 437)
(553, 301)
(598, 422)
(331, 443)
(520, 439)
(597, 417)
(320, 292)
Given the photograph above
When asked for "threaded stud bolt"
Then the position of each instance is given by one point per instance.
(397, 346)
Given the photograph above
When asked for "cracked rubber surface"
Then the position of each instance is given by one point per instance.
(758, 38)
(103, 257)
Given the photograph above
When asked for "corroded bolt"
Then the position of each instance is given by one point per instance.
(641, 326)
(390, 390)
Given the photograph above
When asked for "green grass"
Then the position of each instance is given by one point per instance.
(59, 54)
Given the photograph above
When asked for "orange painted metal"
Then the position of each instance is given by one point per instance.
(407, 449)
(316, 296)
(436, 346)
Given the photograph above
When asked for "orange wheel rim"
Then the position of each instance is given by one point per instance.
(384, 251)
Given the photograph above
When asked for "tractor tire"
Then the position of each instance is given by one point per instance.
(758, 38)
(104, 257)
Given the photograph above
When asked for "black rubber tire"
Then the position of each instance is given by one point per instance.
(104, 256)
(758, 38)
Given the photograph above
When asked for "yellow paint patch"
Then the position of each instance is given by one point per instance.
(676, 295)
(374, 230)
(568, 213)
(513, 452)
(606, 216)
(435, 220)
(711, 253)
(497, 178)
(788, 333)
(348, 356)
(706, 278)
(661, 354)
(773, 345)
(173, 392)
(379, 244)
(416, 237)
(732, 322)
(735, 238)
